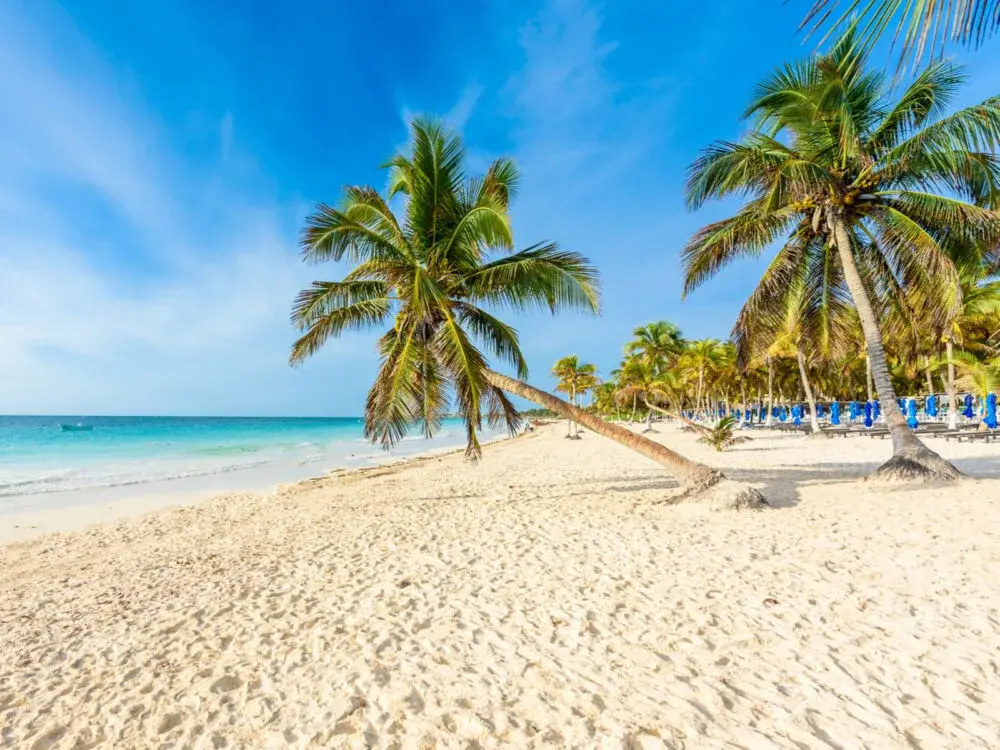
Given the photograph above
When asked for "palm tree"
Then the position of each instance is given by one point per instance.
(925, 25)
(981, 378)
(797, 309)
(604, 400)
(834, 163)
(426, 276)
(699, 357)
(973, 324)
(575, 379)
(658, 343)
(637, 380)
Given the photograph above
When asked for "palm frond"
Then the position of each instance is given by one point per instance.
(330, 234)
(541, 275)
(319, 312)
(923, 25)
(924, 99)
(497, 335)
(747, 233)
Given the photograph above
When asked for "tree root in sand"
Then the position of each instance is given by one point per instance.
(915, 465)
(718, 493)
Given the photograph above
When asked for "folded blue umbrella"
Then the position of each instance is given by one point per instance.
(853, 410)
(911, 413)
(931, 407)
(876, 410)
(819, 411)
(868, 414)
(967, 412)
(783, 414)
(835, 413)
(797, 415)
(990, 420)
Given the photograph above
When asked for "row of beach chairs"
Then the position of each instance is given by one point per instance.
(963, 433)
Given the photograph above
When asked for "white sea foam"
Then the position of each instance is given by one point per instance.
(45, 479)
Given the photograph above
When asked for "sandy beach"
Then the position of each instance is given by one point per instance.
(550, 596)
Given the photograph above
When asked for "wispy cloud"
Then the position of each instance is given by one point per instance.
(582, 139)
(179, 302)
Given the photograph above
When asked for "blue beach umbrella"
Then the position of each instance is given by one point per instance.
(911, 413)
(797, 415)
(868, 414)
(853, 410)
(835, 413)
(990, 420)
(876, 410)
(931, 407)
(783, 414)
(819, 411)
(967, 412)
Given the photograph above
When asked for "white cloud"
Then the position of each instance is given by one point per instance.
(460, 113)
(179, 304)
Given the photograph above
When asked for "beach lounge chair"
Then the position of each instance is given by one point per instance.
(986, 436)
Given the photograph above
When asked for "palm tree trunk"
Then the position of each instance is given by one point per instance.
(632, 418)
(868, 377)
(927, 371)
(910, 457)
(569, 427)
(770, 389)
(701, 381)
(949, 345)
(691, 474)
(574, 404)
(813, 421)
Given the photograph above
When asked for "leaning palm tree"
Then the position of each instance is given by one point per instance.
(575, 378)
(833, 163)
(428, 276)
(925, 25)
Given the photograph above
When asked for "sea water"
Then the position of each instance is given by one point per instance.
(38, 457)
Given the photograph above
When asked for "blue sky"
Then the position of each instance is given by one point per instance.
(157, 158)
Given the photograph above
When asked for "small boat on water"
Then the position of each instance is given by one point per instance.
(77, 427)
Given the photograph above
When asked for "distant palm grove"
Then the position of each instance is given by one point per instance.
(877, 205)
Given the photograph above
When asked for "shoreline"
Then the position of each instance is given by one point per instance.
(80, 510)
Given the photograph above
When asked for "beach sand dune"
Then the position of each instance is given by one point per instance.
(547, 597)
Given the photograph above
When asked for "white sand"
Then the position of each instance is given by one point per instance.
(547, 597)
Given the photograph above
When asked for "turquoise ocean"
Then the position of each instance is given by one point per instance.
(37, 456)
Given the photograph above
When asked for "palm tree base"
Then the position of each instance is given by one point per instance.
(730, 495)
(572, 437)
(917, 464)
(718, 493)
(821, 435)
